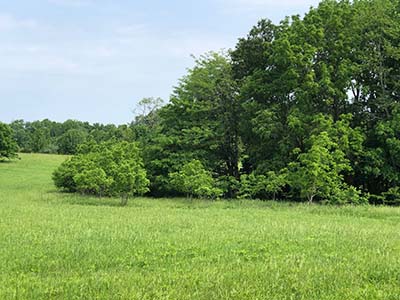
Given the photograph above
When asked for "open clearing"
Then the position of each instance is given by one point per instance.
(59, 246)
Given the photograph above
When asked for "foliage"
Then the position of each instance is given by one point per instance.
(108, 169)
(350, 195)
(265, 186)
(274, 183)
(194, 180)
(249, 186)
(318, 172)
(92, 181)
(64, 138)
(69, 141)
(8, 146)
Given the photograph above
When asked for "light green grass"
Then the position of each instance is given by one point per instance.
(59, 246)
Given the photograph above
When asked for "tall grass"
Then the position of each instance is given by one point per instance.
(60, 246)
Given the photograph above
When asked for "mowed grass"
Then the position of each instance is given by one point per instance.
(59, 246)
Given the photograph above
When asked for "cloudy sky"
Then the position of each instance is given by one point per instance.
(92, 60)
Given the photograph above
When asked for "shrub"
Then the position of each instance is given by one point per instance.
(268, 185)
(318, 172)
(229, 185)
(194, 180)
(348, 195)
(249, 186)
(93, 181)
(106, 170)
(63, 176)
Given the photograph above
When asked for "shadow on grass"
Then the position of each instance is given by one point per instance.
(6, 161)
(61, 197)
(84, 200)
(65, 198)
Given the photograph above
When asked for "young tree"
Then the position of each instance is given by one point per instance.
(319, 171)
(262, 185)
(129, 179)
(249, 186)
(274, 183)
(194, 180)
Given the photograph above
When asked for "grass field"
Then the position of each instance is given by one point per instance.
(59, 246)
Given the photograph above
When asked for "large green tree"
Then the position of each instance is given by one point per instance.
(8, 146)
(200, 122)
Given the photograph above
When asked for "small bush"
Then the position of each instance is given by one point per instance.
(106, 170)
(93, 181)
(348, 195)
(194, 180)
(268, 185)
(249, 186)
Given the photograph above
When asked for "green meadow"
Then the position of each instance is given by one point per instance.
(61, 246)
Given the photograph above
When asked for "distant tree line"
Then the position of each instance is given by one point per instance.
(304, 110)
(63, 138)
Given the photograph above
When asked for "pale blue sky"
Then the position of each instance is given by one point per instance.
(92, 60)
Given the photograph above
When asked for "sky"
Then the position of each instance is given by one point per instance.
(93, 60)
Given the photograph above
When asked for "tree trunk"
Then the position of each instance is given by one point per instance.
(124, 200)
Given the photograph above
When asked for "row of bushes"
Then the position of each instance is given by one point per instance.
(117, 169)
